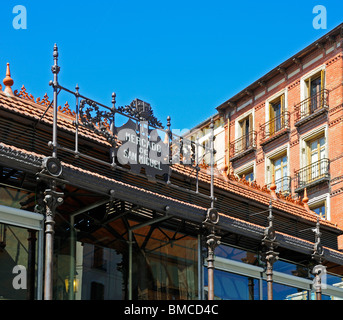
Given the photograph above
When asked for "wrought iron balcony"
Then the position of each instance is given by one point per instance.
(311, 107)
(283, 185)
(312, 174)
(274, 127)
(243, 145)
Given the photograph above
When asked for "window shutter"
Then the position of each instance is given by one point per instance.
(282, 102)
(271, 119)
(322, 79)
(251, 125)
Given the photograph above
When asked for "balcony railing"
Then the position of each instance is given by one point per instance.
(311, 106)
(243, 145)
(283, 185)
(312, 174)
(275, 126)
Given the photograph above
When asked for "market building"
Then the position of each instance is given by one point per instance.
(104, 202)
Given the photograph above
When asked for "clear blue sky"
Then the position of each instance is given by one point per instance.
(184, 57)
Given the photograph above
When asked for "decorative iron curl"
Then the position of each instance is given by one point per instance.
(97, 120)
(147, 115)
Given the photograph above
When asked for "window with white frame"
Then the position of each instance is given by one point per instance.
(277, 164)
(313, 93)
(247, 172)
(321, 205)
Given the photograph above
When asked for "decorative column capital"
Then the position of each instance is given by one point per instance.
(52, 199)
(212, 241)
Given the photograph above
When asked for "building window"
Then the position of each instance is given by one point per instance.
(276, 114)
(313, 86)
(280, 171)
(315, 94)
(320, 209)
(315, 166)
(247, 172)
(246, 127)
(98, 258)
(315, 158)
(277, 165)
(248, 175)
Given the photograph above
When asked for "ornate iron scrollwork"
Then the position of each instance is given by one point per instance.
(95, 119)
(141, 110)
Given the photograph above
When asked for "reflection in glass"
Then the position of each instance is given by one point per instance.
(15, 251)
(92, 263)
(284, 292)
(236, 254)
(229, 286)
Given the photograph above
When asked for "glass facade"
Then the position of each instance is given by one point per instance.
(128, 259)
(102, 264)
(230, 286)
(18, 263)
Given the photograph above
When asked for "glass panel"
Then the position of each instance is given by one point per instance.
(277, 116)
(284, 292)
(315, 97)
(166, 266)
(292, 269)
(93, 263)
(237, 254)
(14, 198)
(249, 176)
(230, 286)
(320, 210)
(15, 251)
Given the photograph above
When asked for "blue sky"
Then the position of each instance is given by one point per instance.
(183, 57)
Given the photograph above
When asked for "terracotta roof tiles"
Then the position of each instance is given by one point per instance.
(34, 109)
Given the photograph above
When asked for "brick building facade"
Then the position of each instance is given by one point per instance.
(286, 128)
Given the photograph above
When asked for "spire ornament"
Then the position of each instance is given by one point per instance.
(8, 82)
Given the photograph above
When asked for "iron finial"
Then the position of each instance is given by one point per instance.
(113, 98)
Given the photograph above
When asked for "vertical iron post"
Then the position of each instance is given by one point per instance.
(112, 129)
(212, 218)
(169, 139)
(55, 70)
(270, 256)
(52, 200)
(77, 121)
(212, 162)
(319, 270)
(212, 242)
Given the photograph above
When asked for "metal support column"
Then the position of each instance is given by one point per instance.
(319, 270)
(212, 242)
(55, 70)
(211, 220)
(270, 256)
(52, 200)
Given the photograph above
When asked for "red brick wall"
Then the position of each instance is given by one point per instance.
(334, 79)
